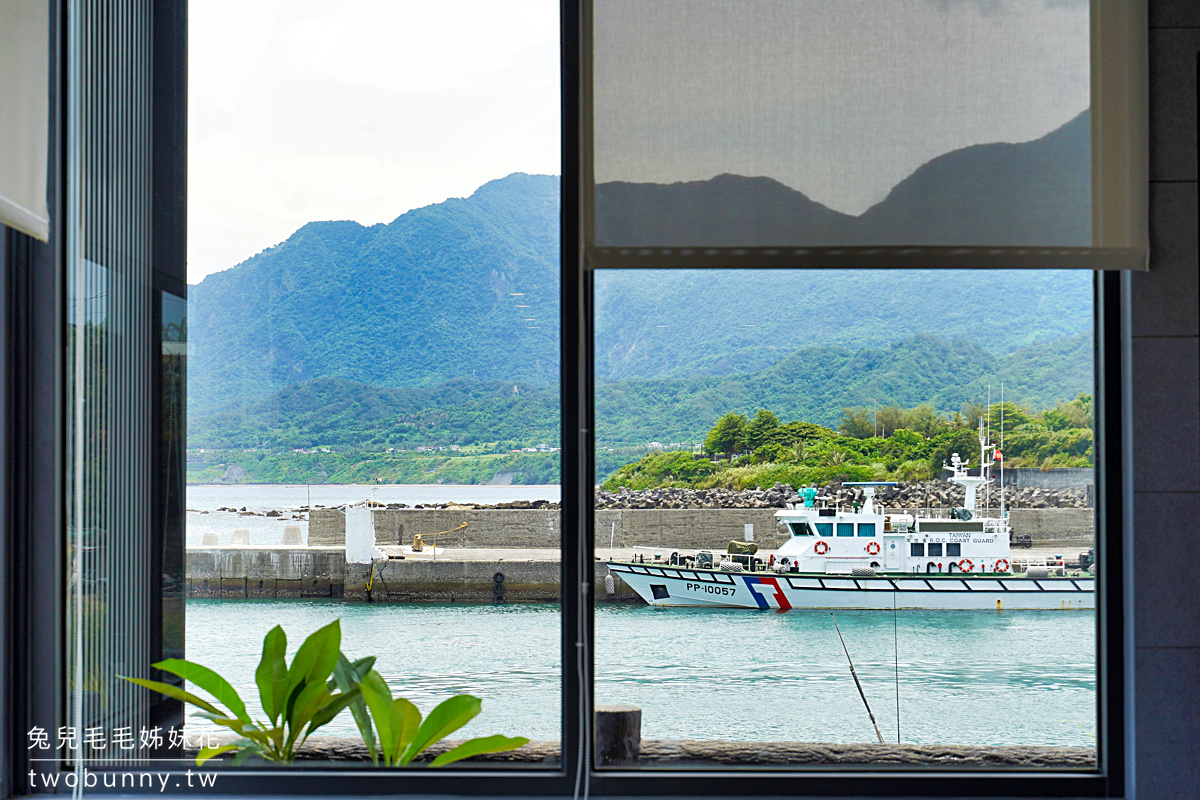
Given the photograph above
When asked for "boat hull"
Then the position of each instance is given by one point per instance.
(663, 585)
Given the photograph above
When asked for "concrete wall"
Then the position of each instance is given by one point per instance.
(235, 572)
(1165, 392)
(680, 528)
(1049, 479)
(275, 572)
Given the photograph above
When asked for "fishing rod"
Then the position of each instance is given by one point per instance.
(855, 676)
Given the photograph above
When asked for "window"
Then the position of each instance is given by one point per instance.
(866, 529)
(935, 549)
(825, 528)
(916, 549)
(577, 565)
(845, 529)
(953, 550)
(801, 529)
(658, 186)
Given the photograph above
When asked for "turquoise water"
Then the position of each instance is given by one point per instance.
(965, 677)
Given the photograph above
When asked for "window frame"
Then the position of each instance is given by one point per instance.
(34, 624)
(1119, 30)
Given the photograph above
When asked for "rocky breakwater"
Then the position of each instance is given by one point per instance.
(906, 495)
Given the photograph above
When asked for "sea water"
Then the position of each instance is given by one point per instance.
(930, 677)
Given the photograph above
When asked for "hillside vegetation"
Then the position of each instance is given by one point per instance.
(892, 443)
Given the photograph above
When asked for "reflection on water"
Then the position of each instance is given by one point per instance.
(962, 677)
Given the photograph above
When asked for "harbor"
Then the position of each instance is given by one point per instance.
(511, 555)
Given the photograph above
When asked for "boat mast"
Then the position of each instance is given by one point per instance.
(1002, 513)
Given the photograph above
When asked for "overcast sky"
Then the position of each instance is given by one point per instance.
(839, 99)
(302, 110)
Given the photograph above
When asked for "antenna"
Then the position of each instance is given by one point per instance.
(855, 676)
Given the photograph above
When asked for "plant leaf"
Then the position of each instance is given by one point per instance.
(317, 656)
(406, 721)
(445, 719)
(378, 698)
(246, 752)
(475, 747)
(212, 752)
(272, 674)
(207, 680)
(337, 703)
(310, 700)
(347, 677)
(176, 693)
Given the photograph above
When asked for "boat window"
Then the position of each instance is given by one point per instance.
(954, 549)
(825, 528)
(916, 549)
(845, 529)
(935, 548)
(800, 529)
(866, 529)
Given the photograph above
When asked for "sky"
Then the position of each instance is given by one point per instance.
(358, 109)
(840, 100)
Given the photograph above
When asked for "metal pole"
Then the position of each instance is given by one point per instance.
(855, 676)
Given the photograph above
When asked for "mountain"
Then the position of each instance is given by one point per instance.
(813, 384)
(469, 288)
(660, 323)
(442, 292)
(725, 211)
(1031, 193)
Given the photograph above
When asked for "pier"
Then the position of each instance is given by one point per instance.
(511, 555)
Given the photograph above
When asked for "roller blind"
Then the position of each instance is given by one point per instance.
(24, 115)
(1000, 133)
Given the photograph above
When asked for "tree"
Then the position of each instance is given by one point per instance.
(760, 430)
(857, 422)
(728, 436)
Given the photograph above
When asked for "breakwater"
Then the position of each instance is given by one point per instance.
(509, 555)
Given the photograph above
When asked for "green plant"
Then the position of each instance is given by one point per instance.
(402, 735)
(319, 684)
(298, 699)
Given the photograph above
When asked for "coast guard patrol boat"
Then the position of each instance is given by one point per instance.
(863, 558)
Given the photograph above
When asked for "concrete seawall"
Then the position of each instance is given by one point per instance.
(510, 555)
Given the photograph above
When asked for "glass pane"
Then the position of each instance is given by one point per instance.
(813, 123)
(373, 407)
(718, 416)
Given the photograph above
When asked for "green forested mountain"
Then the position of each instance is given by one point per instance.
(813, 384)
(464, 288)
(468, 288)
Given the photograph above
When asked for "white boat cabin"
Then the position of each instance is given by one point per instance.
(837, 540)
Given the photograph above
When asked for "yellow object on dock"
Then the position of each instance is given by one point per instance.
(418, 542)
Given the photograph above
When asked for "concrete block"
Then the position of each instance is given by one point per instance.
(232, 587)
(326, 528)
(241, 536)
(209, 540)
(292, 535)
(360, 536)
(1173, 104)
(1166, 414)
(1166, 299)
(1168, 729)
(1165, 541)
(260, 588)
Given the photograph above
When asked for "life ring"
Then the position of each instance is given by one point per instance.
(970, 565)
(873, 549)
(1001, 566)
(821, 548)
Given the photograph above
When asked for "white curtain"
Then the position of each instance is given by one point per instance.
(864, 123)
(24, 115)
